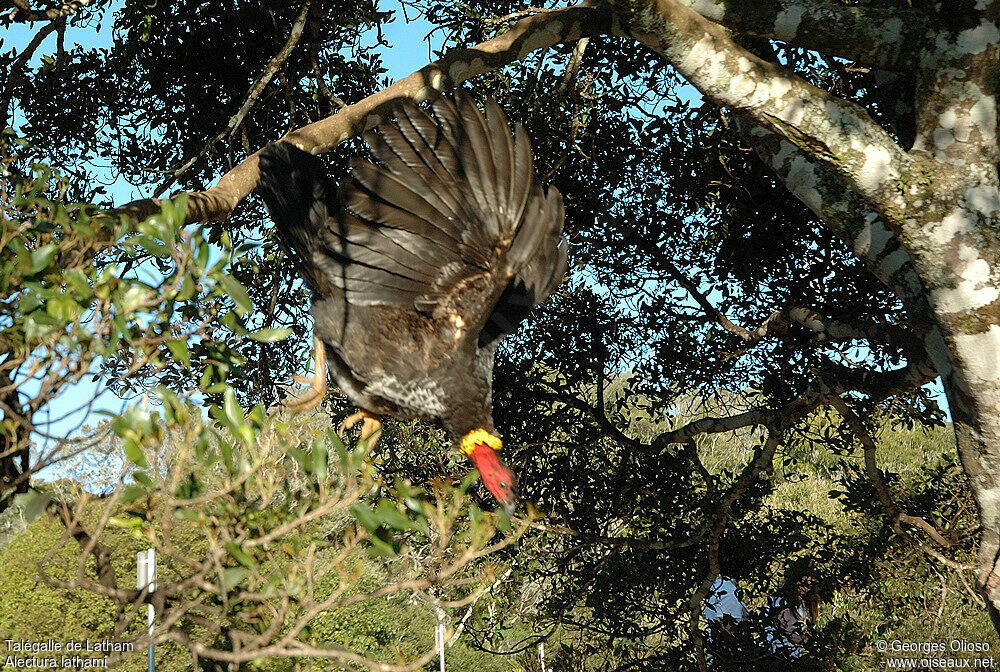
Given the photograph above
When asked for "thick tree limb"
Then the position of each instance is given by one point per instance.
(828, 128)
(23, 13)
(884, 38)
(535, 32)
(840, 207)
(15, 438)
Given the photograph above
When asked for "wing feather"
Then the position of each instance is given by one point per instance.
(452, 221)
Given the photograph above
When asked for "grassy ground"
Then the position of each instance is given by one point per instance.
(918, 601)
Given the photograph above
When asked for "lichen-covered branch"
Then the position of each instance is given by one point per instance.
(840, 207)
(825, 127)
(878, 37)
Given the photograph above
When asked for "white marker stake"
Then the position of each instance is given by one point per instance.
(439, 634)
(145, 564)
(541, 654)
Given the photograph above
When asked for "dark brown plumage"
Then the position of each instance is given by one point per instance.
(429, 260)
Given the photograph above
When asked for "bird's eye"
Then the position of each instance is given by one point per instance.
(503, 484)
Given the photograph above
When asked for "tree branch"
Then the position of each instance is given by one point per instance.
(22, 12)
(826, 128)
(17, 68)
(535, 32)
(884, 38)
(825, 328)
(258, 87)
(836, 380)
(896, 515)
(824, 191)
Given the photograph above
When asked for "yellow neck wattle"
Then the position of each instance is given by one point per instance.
(477, 437)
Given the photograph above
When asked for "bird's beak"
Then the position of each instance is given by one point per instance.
(497, 477)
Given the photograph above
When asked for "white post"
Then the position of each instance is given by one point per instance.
(439, 641)
(541, 654)
(145, 563)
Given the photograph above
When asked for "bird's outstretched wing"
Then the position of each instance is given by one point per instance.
(299, 196)
(453, 223)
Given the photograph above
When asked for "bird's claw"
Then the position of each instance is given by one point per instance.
(370, 425)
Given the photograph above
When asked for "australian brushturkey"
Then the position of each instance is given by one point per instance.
(419, 266)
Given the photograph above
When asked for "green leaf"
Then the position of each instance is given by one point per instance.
(30, 300)
(237, 292)
(232, 576)
(189, 488)
(32, 504)
(154, 247)
(42, 257)
(234, 418)
(320, 457)
(475, 515)
(233, 323)
(62, 308)
(77, 281)
(364, 515)
(226, 449)
(134, 452)
(297, 454)
(241, 556)
(391, 516)
(38, 326)
(383, 544)
(503, 521)
(132, 493)
(135, 296)
(271, 335)
(180, 352)
(173, 409)
(187, 289)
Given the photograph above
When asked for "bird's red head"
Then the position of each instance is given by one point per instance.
(483, 449)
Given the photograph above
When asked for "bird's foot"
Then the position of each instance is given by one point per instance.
(372, 424)
(317, 381)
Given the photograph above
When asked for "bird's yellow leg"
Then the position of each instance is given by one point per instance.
(311, 399)
(372, 423)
